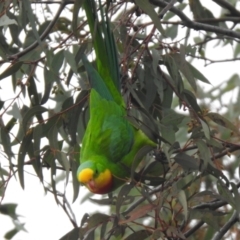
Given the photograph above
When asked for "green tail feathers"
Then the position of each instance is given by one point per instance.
(96, 80)
(105, 49)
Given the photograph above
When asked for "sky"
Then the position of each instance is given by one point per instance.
(43, 217)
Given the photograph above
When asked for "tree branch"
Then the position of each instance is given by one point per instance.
(227, 226)
(228, 6)
(194, 229)
(187, 22)
(44, 34)
(167, 8)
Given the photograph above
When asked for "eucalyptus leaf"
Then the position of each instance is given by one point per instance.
(149, 9)
(11, 70)
(222, 121)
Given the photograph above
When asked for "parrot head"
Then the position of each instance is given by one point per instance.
(96, 177)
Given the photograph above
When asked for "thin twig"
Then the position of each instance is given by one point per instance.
(228, 6)
(43, 36)
(234, 218)
(194, 229)
(167, 8)
(187, 22)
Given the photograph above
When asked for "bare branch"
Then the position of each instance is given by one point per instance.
(43, 36)
(227, 226)
(167, 8)
(187, 22)
(194, 229)
(228, 6)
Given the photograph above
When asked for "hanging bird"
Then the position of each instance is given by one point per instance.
(110, 143)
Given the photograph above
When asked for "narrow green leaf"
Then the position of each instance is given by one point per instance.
(68, 103)
(198, 75)
(158, 234)
(21, 156)
(6, 142)
(9, 209)
(236, 51)
(204, 152)
(29, 114)
(175, 231)
(52, 137)
(214, 143)
(103, 230)
(11, 123)
(216, 173)
(74, 166)
(76, 7)
(184, 68)
(32, 92)
(72, 235)
(97, 219)
(183, 200)
(226, 194)
(168, 133)
(78, 57)
(167, 97)
(37, 135)
(150, 87)
(70, 58)
(35, 160)
(184, 183)
(205, 128)
(236, 196)
(222, 121)
(57, 62)
(11, 70)
(173, 70)
(122, 196)
(75, 115)
(62, 158)
(170, 117)
(53, 176)
(138, 157)
(10, 234)
(172, 31)
(140, 235)
(135, 96)
(186, 161)
(49, 78)
(156, 168)
(149, 9)
(1, 104)
(32, 18)
(47, 158)
(191, 100)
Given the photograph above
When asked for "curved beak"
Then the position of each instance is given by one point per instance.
(91, 185)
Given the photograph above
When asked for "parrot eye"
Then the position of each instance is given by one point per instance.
(96, 172)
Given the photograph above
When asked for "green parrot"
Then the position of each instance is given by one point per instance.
(110, 143)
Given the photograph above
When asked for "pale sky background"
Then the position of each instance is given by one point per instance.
(43, 218)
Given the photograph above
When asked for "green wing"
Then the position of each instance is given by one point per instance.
(96, 81)
(108, 133)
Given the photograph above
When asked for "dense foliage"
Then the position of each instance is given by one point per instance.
(185, 189)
